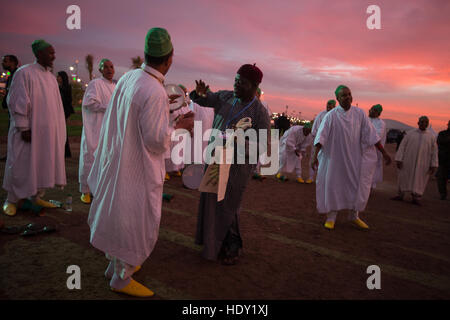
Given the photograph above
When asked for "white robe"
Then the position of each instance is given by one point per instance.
(127, 175)
(418, 152)
(95, 102)
(35, 103)
(316, 124)
(293, 139)
(346, 160)
(380, 127)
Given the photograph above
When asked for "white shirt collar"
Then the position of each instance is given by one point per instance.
(42, 67)
(106, 80)
(340, 109)
(154, 72)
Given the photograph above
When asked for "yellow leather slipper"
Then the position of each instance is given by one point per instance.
(10, 209)
(44, 203)
(135, 289)
(329, 225)
(86, 198)
(360, 224)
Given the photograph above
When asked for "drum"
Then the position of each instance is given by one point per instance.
(192, 176)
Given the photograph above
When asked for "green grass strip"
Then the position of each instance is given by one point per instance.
(178, 238)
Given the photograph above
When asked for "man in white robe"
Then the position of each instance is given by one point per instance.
(417, 160)
(37, 134)
(380, 127)
(127, 175)
(346, 160)
(95, 102)
(293, 146)
(316, 124)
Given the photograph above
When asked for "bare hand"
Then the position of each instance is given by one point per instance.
(26, 136)
(173, 98)
(186, 122)
(399, 165)
(2, 93)
(200, 87)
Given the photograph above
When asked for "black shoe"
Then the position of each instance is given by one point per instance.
(397, 198)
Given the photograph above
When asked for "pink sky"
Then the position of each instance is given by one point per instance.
(304, 48)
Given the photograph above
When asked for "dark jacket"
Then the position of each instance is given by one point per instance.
(66, 96)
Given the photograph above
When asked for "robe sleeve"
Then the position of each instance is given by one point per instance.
(316, 125)
(291, 141)
(306, 142)
(323, 133)
(91, 100)
(369, 135)
(383, 133)
(434, 154)
(401, 149)
(154, 124)
(211, 100)
(19, 102)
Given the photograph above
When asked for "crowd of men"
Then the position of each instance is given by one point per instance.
(126, 137)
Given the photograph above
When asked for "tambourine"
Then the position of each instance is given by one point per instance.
(172, 89)
(192, 176)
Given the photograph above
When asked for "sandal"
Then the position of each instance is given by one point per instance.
(33, 229)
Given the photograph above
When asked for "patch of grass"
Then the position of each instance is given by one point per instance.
(76, 116)
(74, 131)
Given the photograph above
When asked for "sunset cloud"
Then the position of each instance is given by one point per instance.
(304, 48)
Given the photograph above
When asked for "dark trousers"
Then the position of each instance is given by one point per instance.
(442, 177)
(67, 152)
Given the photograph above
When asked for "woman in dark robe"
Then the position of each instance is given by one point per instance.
(66, 95)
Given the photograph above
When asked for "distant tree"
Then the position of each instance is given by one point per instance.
(90, 64)
(136, 62)
(77, 94)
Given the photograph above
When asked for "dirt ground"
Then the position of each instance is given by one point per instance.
(288, 254)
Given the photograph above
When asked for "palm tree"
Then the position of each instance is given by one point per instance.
(136, 62)
(90, 64)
